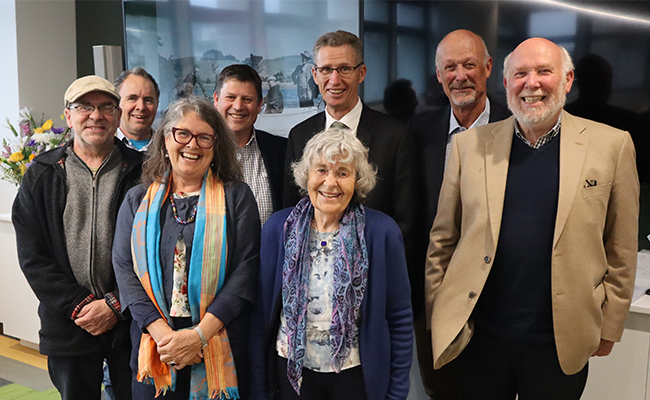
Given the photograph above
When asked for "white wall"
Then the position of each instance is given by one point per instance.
(47, 54)
(39, 61)
(9, 66)
(38, 48)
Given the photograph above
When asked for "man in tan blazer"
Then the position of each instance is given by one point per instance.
(532, 256)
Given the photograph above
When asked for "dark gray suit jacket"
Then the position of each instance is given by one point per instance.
(430, 131)
(273, 149)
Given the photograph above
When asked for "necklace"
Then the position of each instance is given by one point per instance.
(322, 238)
(175, 212)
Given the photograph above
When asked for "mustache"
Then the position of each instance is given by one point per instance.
(528, 93)
(466, 85)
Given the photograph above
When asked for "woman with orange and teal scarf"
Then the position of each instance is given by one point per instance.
(186, 258)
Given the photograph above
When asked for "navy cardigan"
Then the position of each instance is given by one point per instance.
(386, 325)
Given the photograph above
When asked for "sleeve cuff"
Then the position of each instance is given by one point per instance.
(81, 305)
(114, 304)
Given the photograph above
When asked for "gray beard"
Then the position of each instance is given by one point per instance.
(534, 119)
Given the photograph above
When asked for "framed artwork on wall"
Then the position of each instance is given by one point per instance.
(185, 44)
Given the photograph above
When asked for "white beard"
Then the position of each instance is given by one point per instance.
(539, 115)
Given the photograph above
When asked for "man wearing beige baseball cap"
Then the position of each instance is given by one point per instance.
(64, 216)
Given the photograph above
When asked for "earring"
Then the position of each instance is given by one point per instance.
(166, 155)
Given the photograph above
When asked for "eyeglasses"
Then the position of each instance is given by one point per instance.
(87, 109)
(203, 140)
(343, 71)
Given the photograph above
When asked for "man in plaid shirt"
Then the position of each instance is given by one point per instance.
(238, 98)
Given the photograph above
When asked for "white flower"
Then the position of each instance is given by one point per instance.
(43, 137)
(18, 143)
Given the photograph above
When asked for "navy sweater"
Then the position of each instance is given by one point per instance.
(516, 301)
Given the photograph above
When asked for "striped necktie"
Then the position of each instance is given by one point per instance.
(339, 125)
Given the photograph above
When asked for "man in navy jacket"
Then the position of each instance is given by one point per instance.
(463, 66)
(238, 98)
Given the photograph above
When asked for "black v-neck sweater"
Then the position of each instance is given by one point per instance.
(516, 301)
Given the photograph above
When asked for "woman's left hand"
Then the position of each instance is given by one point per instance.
(181, 347)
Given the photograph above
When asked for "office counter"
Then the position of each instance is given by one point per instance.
(624, 374)
(18, 304)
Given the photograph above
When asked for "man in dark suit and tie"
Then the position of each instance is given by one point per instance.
(463, 66)
(338, 72)
(238, 98)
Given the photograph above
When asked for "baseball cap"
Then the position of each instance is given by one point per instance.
(87, 84)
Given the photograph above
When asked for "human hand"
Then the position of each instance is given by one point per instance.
(96, 317)
(181, 347)
(604, 348)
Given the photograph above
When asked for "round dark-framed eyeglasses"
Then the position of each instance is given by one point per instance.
(203, 140)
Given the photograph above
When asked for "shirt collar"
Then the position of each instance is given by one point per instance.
(252, 139)
(482, 119)
(542, 140)
(351, 119)
(120, 135)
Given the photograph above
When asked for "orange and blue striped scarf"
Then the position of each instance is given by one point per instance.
(206, 275)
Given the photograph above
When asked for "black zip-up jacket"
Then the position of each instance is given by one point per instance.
(37, 216)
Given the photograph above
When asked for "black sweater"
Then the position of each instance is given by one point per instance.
(516, 301)
(37, 216)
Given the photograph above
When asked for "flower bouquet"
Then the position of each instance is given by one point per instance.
(29, 140)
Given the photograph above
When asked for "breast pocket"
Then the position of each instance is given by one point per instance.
(596, 191)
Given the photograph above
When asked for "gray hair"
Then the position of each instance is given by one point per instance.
(138, 71)
(567, 62)
(224, 161)
(486, 53)
(339, 38)
(336, 145)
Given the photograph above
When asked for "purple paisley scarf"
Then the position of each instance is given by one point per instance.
(350, 278)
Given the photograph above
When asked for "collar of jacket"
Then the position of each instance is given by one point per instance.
(130, 157)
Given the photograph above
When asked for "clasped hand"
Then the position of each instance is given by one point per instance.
(181, 347)
(96, 317)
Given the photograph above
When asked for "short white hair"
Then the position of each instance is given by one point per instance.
(567, 62)
(336, 145)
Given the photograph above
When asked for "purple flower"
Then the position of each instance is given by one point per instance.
(57, 130)
(31, 143)
(25, 129)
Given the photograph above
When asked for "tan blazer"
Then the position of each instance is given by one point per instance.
(594, 247)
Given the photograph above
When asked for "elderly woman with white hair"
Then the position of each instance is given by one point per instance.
(333, 316)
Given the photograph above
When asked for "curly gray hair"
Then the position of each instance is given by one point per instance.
(336, 145)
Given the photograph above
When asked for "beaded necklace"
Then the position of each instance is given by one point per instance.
(175, 213)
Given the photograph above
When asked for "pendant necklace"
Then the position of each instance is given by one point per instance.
(323, 238)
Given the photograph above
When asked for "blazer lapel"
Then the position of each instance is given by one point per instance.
(497, 160)
(365, 127)
(573, 152)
